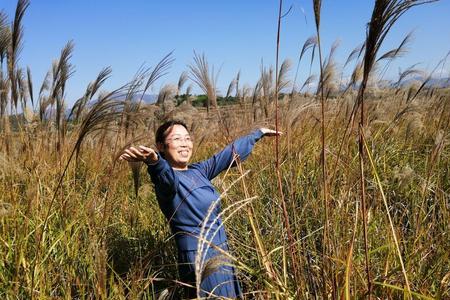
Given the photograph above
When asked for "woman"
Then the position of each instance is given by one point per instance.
(189, 200)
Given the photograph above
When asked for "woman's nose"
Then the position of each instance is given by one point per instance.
(185, 141)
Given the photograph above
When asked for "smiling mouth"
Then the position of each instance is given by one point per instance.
(184, 152)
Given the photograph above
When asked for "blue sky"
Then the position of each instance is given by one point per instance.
(234, 35)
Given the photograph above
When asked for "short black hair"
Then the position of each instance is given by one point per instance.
(161, 132)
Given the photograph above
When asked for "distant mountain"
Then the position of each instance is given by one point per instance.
(440, 82)
(147, 98)
(433, 82)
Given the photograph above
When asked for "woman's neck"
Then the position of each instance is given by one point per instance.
(180, 168)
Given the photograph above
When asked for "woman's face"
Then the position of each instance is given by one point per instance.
(178, 147)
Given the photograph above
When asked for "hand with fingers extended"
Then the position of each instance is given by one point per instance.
(270, 132)
(141, 153)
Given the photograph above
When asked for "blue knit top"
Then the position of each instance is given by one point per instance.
(185, 196)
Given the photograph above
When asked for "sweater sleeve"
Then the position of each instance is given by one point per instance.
(163, 177)
(222, 160)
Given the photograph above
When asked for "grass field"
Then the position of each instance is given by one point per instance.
(351, 210)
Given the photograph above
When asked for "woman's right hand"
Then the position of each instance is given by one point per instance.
(270, 132)
(142, 153)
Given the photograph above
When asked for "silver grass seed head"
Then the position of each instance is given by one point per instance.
(440, 138)
(415, 127)
(165, 294)
(213, 265)
(6, 209)
(29, 115)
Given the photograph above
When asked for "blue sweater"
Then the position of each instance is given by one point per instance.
(185, 196)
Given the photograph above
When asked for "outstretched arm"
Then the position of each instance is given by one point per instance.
(160, 171)
(241, 147)
(142, 153)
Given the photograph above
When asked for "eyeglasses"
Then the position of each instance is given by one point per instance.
(179, 139)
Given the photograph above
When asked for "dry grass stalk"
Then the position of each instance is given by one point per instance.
(348, 265)
(22, 88)
(425, 82)
(311, 42)
(308, 82)
(355, 54)
(206, 236)
(391, 223)
(135, 170)
(238, 95)
(188, 93)
(317, 6)
(395, 53)
(4, 89)
(328, 77)
(410, 71)
(283, 80)
(166, 93)
(267, 263)
(205, 78)
(280, 83)
(355, 78)
(5, 37)
(80, 105)
(385, 14)
(43, 98)
(131, 107)
(181, 81)
(160, 70)
(266, 87)
(62, 71)
(231, 87)
(399, 51)
(15, 47)
(326, 245)
(30, 86)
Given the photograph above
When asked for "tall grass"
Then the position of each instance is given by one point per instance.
(343, 219)
(138, 260)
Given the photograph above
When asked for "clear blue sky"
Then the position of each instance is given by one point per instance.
(235, 35)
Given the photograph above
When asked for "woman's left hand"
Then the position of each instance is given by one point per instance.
(270, 132)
